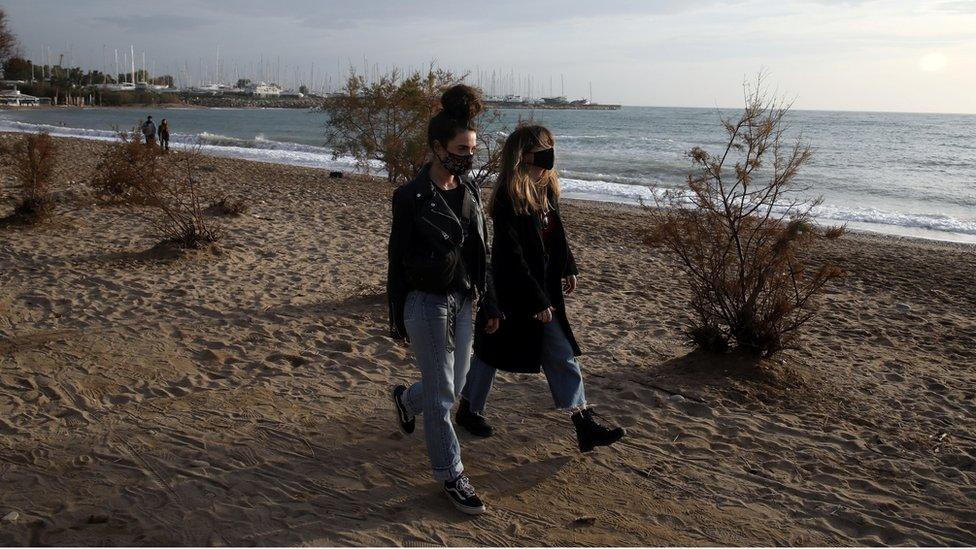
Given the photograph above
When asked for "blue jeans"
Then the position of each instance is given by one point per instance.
(431, 320)
(558, 364)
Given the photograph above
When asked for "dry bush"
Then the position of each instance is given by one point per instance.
(229, 206)
(386, 122)
(177, 202)
(32, 158)
(126, 169)
(741, 234)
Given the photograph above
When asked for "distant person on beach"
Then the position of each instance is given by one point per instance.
(532, 267)
(438, 269)
(164, 135)
(149, 131)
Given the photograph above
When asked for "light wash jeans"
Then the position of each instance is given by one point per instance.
(558, 364)
(443, 365)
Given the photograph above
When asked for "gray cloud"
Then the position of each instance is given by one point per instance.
(155, 23)
(634, 51)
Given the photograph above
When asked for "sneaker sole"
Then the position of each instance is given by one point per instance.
(466, 510)
(396, 413)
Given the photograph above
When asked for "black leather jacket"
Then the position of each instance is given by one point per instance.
(426, 239)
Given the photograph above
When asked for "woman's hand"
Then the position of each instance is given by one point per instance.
(492, 325)
(569, 284)
(545, 316)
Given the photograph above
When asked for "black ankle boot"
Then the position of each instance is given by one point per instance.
(476, 424)
(590, 433)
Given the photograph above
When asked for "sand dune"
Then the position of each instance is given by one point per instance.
(237, 396)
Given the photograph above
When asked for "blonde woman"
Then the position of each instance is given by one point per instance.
(532, 267)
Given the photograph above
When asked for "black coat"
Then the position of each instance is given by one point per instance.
(426, 237)
(527, 281)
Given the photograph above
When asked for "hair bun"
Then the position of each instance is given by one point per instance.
(462, 102)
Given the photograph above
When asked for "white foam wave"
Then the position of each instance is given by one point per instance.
(581, 137)
(276, 152)
(827, 213)
(942, 223)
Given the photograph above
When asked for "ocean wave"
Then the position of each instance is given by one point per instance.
(872, 216)
(580, 137)
(57, 131)
(262, 149)
(826, 213)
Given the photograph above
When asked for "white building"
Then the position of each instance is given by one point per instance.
(262, 89)
(17, 99)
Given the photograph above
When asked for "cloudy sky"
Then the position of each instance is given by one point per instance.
(830, 54)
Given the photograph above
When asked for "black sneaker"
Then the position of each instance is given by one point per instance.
(591, 433)
(476, 424)
(406, 422)
(463, 496)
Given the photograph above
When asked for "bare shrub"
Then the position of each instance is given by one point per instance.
(32, 158)
(229, 206)
(178, 205)
(386, 122)
(741, 232)
(127, 169)
(491, 138)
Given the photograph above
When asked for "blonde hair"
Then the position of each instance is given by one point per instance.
(527, 196)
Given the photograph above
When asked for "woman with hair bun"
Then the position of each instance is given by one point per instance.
(438, 270)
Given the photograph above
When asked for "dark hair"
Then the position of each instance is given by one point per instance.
(460, 105)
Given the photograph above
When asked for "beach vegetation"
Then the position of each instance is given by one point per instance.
(382, 124)
(229, 206)
(127, 170)
(16, 68)
(178, 213)
(32, 158)
(741, 230)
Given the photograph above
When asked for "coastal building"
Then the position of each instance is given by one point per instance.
(263, 89)
(13, 98)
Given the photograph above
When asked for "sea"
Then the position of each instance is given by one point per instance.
(896, 173)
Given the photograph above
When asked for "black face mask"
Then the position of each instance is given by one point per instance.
(544, 159)
(457, 164)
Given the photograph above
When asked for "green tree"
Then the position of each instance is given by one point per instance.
(164, 80)
(8, 41)
(17, 68)
(386, 122)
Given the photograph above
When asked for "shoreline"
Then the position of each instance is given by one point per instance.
(966, 244)
(243, 153)
(308, 159)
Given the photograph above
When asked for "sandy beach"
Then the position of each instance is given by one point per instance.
(238, 395)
